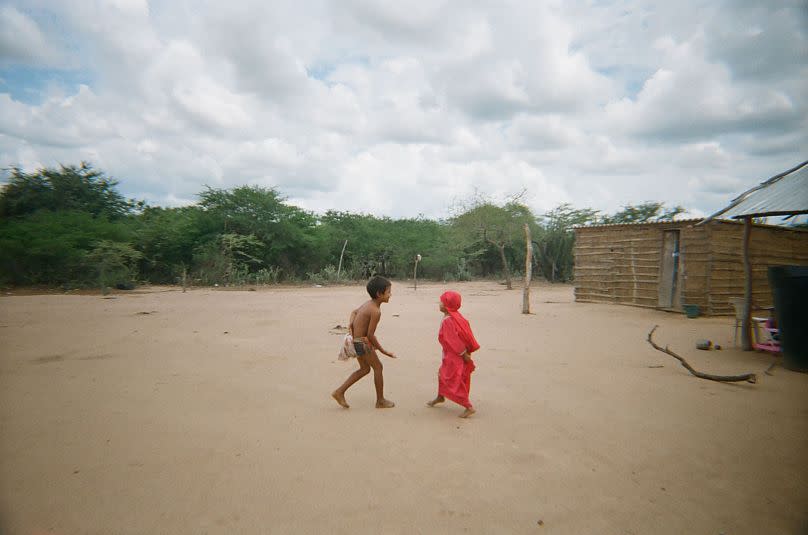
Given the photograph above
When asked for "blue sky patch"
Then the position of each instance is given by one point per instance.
(31, 85)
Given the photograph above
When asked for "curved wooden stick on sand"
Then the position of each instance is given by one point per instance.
(749, 377)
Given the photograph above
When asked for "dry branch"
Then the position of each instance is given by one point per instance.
(749, 377)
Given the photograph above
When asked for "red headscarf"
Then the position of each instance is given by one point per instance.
(451, 300)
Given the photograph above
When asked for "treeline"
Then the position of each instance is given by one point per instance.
(71, 227)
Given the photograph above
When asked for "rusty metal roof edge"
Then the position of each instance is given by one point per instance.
(698, 222)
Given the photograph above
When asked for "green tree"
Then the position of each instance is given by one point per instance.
(168, 239)
(50, 247)
(52, 219)
(642, 213)
(367, 248)
(382, 245)
(428, 238)
(80, 188)
(286, 231)
(484, 224)
(555, 240)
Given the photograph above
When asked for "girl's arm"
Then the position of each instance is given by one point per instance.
(449, 338)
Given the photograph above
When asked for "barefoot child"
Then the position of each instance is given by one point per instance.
(362, 327)
(458, 342)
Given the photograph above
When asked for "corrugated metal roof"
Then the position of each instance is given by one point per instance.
(783, 194)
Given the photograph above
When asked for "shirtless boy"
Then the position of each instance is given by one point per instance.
(362, 327)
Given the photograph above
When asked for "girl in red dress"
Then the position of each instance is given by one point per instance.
(458, 343)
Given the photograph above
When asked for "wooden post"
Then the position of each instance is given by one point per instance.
(339, 268)
(415, 271)
(528, 271)
(746, 330)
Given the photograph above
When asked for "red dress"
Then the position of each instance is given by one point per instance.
(454, 377)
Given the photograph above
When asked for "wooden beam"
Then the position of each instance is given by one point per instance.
(746, 330)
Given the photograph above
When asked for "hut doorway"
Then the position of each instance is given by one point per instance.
(668, 280)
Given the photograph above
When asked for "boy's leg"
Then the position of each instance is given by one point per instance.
(378, 381)
(364, 369)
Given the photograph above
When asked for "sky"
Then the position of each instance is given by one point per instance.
(408, 109)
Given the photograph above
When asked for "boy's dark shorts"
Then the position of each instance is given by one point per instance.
(361, 348)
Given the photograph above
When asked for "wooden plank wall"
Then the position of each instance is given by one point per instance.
(769, 246)
(695, 265)
(618, 264)
(622, 263)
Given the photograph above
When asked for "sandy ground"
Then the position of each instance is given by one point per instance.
(209, 412)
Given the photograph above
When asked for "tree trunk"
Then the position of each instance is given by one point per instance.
(339, 268)
(528, 271)
(505, 266)
(746, 331)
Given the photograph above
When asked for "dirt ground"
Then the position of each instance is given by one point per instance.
(157, 411)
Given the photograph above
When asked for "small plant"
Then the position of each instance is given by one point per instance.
(327, 275)
(269, 275)
(463, 272)
(115, 264)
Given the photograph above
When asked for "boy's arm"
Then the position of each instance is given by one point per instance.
(350, 321)
(375, 316)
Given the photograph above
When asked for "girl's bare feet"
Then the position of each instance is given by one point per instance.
(468, 412)
(385, 404)
(439, 399)
(340, 399)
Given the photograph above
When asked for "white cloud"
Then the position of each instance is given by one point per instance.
(21, 39)
(71, 121)
(688, 97)
(402, 108)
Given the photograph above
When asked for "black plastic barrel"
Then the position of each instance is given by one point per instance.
(790, 291)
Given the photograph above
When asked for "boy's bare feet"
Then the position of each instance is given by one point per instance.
(340, 399)
(468, 412)
(439, 399)
(385, 404)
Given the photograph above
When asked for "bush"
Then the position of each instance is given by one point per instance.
(463, 272)
(114, 263)
(52, 247)
(328, 275)
(269, 275)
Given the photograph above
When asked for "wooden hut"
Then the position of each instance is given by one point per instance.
(784, 194)
(666, 265)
